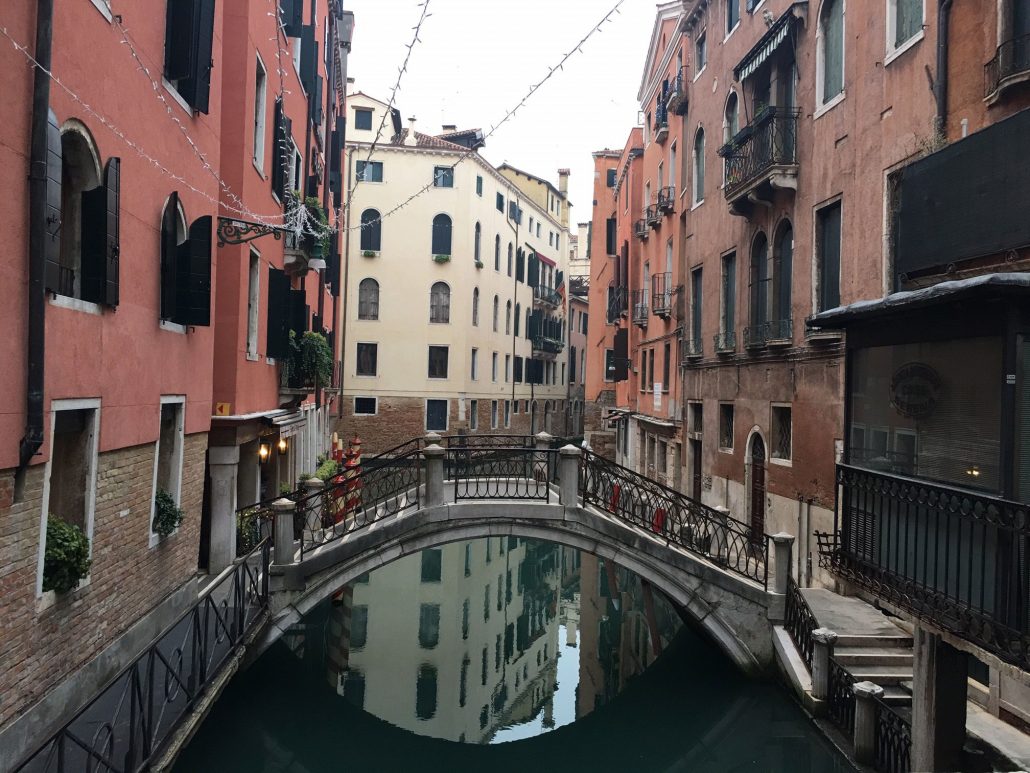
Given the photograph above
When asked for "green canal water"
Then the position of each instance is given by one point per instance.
(501, 655)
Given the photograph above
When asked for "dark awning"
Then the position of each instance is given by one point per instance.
(768, 43)
(987, 286)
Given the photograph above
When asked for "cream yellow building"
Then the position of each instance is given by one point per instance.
(454, 308)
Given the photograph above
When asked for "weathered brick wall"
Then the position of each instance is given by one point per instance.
(41, 645)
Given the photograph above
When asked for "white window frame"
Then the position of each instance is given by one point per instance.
(772, 436)
(260, 119)
(353, 407)
(45, 600)
(894, 51)
(474, 369)
(253, 303)
(701, 33)
(176, 461)
(822, 107)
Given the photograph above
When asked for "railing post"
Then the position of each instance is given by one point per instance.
(569, 486)
(822, 650)
(866, 694)
(284, 510)
(432, 439)
(720, 541)
(313, 515)
(434, 474)
(782, 545)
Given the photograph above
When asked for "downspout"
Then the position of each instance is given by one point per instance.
(940, 85)
(329, 94)
(345, 260)
(36, 322)
(799, 544)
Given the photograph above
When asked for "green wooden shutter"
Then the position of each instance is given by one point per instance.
(195, 264)
(277, 337)
(169, 245)
(52, 210)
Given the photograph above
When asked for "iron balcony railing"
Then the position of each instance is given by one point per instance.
(667, 198)
(771, 331)
(768, 142)
(661, 293)
(640, 307)
(676, 101)
(661, 122)
(653, 215)
(1012, 58)
(725, 342)
(953, 556)
(641, 229)
(692, 348)
(618, 302)
(546, 295)
(547, 345)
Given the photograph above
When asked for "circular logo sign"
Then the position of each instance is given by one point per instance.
(915, 390)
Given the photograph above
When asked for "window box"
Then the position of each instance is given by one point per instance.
(370, 254)
(443, 258)
(479, 263)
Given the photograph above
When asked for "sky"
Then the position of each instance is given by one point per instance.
(477, 59)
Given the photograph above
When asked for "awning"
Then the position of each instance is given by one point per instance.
(986, 286)
(655, 421)
(547, 260)
(767, 44)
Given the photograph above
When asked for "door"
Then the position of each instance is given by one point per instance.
(695, 470)
(757, 487)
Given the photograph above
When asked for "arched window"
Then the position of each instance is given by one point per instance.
(440, 302)
(510, 258)
(80, 172)
(730, 127)
(507, 318)
(441, 235)
(529, 311)
(479, 238)
(783, 257)
(475, 307)
(759, 285)
(699, 166)
(497, 252)
(371, 231)
(173, 234)
(497, 311)
(518, 316)
(368, 299)
(830, 72)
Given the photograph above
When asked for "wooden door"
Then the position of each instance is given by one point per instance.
(757, 487)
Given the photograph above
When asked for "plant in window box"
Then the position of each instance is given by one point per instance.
(317, 245)
(66, 560)
(479, 264)
(441, 258)
(167, 515)
(315, 360)
(369, 254)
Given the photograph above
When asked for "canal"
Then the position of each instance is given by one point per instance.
(501, 654)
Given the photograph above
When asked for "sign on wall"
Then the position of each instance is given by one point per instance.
(657, 395)
(915, 390)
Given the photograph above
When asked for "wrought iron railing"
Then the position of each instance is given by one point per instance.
(770, 140)
(661, 293)
(653, 215)
(546, 295)
(676, 100)
(129, 724)
(667, 198)
(892, 741)
(1011, 58)
(502, 473)
(841, 698)
(618, 302)
(725, 341)
(673, 516)
(661, 121)
(641, 229)
(692, 348)
(641, 308)
(547, 345)
(771, 331)
(953, 556)
(799, 621)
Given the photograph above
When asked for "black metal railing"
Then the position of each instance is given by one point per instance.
(502, 473)
(641, 229)
(129, 724)
(641, 309)
(692, 348)
(770, 331)
(770, 140)
(618, 302)
(661, 293)
(548, 345)
(661, 121)
(892, 741)
(674, 517)
(547, 295)
(667, 198)
(841, 698)
(950, 555)
(1011, 58)
(799, 621)
(653, 215)
(676, 100)
(725, 341)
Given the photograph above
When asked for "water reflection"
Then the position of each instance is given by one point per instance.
(497, 640)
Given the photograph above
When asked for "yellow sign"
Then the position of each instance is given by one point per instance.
(223, 409)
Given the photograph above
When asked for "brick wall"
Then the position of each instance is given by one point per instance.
(41, 645)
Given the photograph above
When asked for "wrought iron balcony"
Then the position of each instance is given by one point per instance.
(1010, 65)
(661, 122)
(692, 348)
(640, 308)
(653, 215)
(725, 342)
(667, 198)
(949, 555)
(546, 345)
(676, 101)
(640, 229)
(771, 332)
(764, 151)
(618, 302)
(661, 294)
(546, 296)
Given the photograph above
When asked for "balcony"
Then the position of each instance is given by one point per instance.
(667, 199)
(661, 123)
(775, 332)
(692, 349)
(653, 215)
(640, 308)
(661, 294)
(676, 101)
(949, 555)
(1010, 65)
(760, 158)
(640, 229)
(725, 343)
(618, 302)
(546, 296)
(546, 346)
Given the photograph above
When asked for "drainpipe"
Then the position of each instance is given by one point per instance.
(940, 86)
(36, 322)
(808, 543)
(800, 544)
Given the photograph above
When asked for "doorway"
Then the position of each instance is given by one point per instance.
(695, 470)
(757, 493)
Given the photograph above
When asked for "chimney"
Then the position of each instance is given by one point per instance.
(410, 140)
(563, 182)
(450, 127)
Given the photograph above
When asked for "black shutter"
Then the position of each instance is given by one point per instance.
(533, 325)
(169, 245)
(520, 266)
(610, 236)
(52, 211)
(308, 59)
(336, 166)
(621, 355)
(189, 38)
(533, 272)
(277, 345)
(333, 267)
(278, 173)
(194, 280)
(298, 315)
(315, 110)
(94, 242)
(113, 188)
(178, 38)
(291, 13)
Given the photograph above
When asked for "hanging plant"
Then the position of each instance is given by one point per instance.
(66, 560)
(441, 258)
(320, 242)
(167, 515)
(315, 360)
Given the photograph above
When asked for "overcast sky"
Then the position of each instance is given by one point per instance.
(478, 58)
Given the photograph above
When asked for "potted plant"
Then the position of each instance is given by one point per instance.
(441, 258)
(66, 560)
(315, 360)
(317, 245)
(369, 254)
(479, 264)
(167, 515)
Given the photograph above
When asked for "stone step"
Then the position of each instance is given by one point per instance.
(862, 640)
(896, 695)
(882, 675)
(873, 656)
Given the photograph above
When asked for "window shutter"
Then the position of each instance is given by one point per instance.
(52, 210)
(533, 272)
(533, 326)
(336, 167)
(278, 298)
(333, 268)
(178, 33)
(198, 85)
(189, 37)
(94, 242)
(315, 102)
(195, 274)
(298, 316)
(278, 168)
(621, 354)
(169, 257)
(113, 188)
(520, 266)
(291, 14)
(308, 59)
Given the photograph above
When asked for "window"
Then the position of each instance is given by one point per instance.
(610, 182)
(438, 361)
(781, 432)
(493, 367)
(518, 316)
(475, 307)
(531, 224)
(699, 166)
(436, 415)
(507, 368)
(369, 171)
(371, 231)
(497, 311)
(783, 268)
(473, 414)
(359, 626)
(726, 426)
(610, 236)
(493, 418)
(666, 366)
(432, 565)
(497, 252)
(260, 108)
(168, 456)
(443, 177)
(510, 257)
(500, 202)
(828, 223)
(609, 364)
(189, 34)
(364, 406)
(477, 252)
(529, 315)
(759, 280)
(253, 304)
(507, 318)
(425, 692)
(700, 52)
(732, 15)
(440, 303)
(474, 368)
(729, 296)
(696, 299)
(730, 126)
(368, 299)
(368, 356)
(904, 22)
(363, 119)
(479, 185)
(441, 235)
(830, 62)
(507, 413)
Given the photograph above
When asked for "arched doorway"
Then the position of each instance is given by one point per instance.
(757, 493)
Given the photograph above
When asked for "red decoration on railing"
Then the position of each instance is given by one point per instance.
(658, 523)
(616, 490)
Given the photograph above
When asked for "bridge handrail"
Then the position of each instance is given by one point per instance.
(129, 722)
(677, 518)
(496, 472)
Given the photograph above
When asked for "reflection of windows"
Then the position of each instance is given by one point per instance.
(354, 688)
(432, 564)
(428, 625)
(425, 692)
(359, 626)
(485, 661)
(486, 602)
(463, 686)
(468, 559)
(484, 715)
(497, 653)
(465, 619)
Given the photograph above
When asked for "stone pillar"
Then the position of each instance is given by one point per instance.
(283, 509)
(822, 649)
(866, 694)
(782, 545)
(434, 474)
(720, 540)
(312, 504)
(249, 475)
(938, 703)
(569, 488)
(222, 467)
(432, 439)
